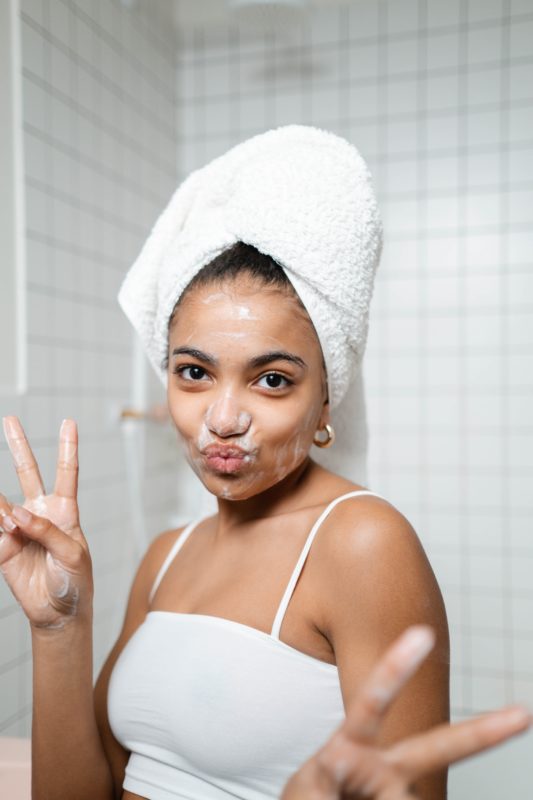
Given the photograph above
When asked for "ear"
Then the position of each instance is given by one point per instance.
(324, 415)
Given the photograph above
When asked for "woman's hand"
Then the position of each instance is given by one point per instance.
(352, 765)
(45, 560)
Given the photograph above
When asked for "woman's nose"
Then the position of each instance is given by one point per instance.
(225, 417)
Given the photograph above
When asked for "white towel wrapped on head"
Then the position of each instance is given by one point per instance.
(303, 196)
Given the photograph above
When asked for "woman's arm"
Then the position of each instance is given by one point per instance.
(45, 560)
(350, 764)
(86, 761)
(380, 583)
(75, 767)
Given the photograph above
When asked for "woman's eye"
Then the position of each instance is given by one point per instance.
(193, 374)
(273, 379)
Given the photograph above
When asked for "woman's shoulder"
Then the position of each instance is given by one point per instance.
(164, 541)
(371, 564)
(367, 526)
(158, 549)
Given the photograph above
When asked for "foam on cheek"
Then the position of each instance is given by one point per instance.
(204, 437)
(288, 456)
(293, 451)
(244, 419)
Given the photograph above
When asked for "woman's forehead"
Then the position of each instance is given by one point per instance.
(242, 311)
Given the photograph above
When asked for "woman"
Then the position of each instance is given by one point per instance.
(245, 371)
(249, 632)
(45, 560)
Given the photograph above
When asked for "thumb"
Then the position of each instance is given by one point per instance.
(42, 530)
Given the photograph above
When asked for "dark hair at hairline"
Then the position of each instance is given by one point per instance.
(235, 260)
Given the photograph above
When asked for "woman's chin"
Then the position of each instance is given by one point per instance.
(229, 487)
(236, 487)
(236, 483)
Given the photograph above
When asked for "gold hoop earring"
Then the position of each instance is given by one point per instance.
(325, 442)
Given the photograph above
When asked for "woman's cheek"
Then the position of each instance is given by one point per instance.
(294, 447)
(289, 454)
(185, 418)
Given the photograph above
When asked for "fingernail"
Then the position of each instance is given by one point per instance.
(21, 515)
(507, 716)
(9, 427)
(518, 716)
(417, 643)
(8, 523)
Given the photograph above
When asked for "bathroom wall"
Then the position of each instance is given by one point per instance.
(99, 136)
(438, 96)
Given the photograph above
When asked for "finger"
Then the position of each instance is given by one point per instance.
(5, 505)
(446, 744)
(10, 543)
(66, 484)
(43, 531)
(27, 470)
(398, 793)
(390, 674)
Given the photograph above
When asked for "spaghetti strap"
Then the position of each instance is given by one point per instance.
(180, 541)
(303, 555)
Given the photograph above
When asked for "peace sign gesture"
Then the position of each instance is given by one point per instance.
(351, 765)
(44, 556)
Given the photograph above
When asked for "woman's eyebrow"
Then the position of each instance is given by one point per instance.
(257, 361)
(277, 355)
(199, 354)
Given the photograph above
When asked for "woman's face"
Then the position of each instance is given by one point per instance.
(245, 371)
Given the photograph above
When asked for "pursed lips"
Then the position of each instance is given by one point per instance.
(229, 459)
(228, 451)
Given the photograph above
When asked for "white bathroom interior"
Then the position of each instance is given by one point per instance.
(113, 103)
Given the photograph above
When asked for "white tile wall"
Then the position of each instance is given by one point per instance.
(99, 142)
(438, 96)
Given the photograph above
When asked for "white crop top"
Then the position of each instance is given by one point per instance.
(213, 709)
